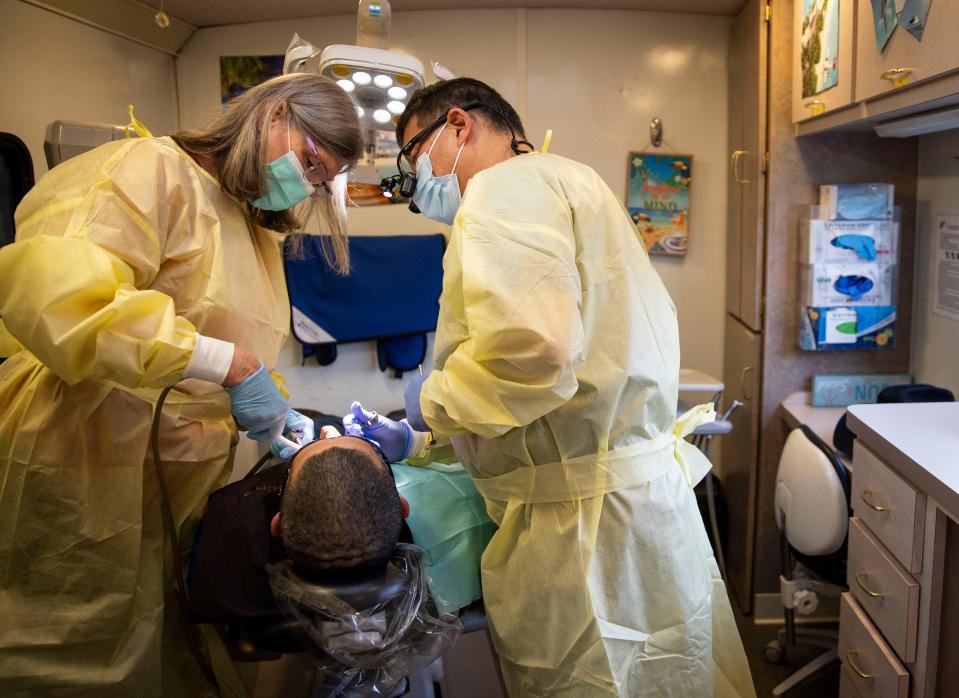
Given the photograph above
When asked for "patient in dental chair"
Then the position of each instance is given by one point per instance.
(337, 507)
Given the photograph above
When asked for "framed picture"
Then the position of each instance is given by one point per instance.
(820, 46)
(657, 199)
(240, 73)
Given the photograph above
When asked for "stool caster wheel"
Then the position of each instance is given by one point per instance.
(773, 652)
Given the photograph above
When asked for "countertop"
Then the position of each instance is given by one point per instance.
(822, 420)
(920, 441)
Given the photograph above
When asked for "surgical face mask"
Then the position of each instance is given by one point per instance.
(437, 198)
(286, 183)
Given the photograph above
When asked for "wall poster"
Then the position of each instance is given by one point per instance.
(820, 46)
(946, 297)
(658, 200)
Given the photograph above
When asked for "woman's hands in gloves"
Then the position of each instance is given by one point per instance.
(298, 429)
(255, 401)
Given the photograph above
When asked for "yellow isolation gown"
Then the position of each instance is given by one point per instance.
(123, 255)
(556, 376)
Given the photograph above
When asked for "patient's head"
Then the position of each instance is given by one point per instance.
(340, 508)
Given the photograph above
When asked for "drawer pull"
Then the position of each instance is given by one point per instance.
(852, 665)
(866, 496)
(862, 585)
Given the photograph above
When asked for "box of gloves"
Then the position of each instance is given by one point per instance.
(856, 202)
(823, 240)
(841, 283)
(848, 255)
(844, 327)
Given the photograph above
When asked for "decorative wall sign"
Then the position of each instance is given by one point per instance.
(820, 46)
(658, 200)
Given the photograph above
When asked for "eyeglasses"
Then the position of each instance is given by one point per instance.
(406, 180)
(317, 175)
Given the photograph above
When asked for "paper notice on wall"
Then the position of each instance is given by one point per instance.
(947, 267)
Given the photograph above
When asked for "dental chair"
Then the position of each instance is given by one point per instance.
(702, 438)
(269, 639)
(812, 512)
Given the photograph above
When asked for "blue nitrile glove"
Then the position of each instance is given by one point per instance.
(863, 245)
(414, 413)
(298, 429)
(258, 405)
(394, 438)
(853, 285)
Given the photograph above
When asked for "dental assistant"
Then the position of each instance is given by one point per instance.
(142, 264)
(556, 368)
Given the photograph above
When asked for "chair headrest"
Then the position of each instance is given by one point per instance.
(374, 629)
(361, 589)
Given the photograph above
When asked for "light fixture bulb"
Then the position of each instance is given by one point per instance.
(346, 85)
(360, 112)
(396, 107)
(381, 116)
(361, 78)
(396, 93)
(383, 81)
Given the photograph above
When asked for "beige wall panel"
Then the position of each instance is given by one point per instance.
(58, 68)
(935, 338)
(596, 79)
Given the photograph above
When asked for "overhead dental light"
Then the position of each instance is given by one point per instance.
(380, 81)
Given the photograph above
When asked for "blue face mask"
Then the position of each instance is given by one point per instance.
(437, 198)
(286, 184)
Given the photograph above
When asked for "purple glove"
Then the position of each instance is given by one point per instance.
(395, 439)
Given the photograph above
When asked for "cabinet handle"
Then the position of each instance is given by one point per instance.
(734, 164)
(742, 383)
(852, 665)
(866, 496)
(816, 106)
(862, 585)
(897, 76)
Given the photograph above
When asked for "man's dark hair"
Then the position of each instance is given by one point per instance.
(341, 512)
(431, 102)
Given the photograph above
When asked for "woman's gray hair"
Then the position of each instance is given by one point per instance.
(236, 138)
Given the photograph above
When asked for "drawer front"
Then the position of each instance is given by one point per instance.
(938, 52)
(893, 509)
(872, 667)
(883, 588)
(846, 687)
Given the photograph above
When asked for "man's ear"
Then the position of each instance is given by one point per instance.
(275, 525)
(403, 503)
(462, 123)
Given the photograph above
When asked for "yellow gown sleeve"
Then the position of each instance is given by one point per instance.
(521, 295)
(74, 288)
(280, 384)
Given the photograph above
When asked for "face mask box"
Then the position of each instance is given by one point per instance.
(823, 241)
(862, 327)
(842, 391)
(856, 202)
(866, 283)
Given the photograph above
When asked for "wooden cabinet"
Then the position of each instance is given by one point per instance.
(747, 149)
(739, 473)
(904, 56)
(835, 18)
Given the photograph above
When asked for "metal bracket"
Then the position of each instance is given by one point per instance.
(656, 132)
